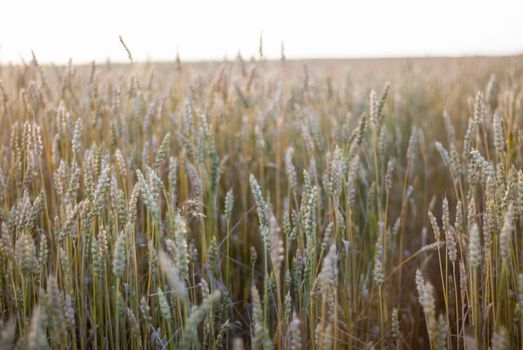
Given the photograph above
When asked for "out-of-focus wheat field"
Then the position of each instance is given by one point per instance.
(256, 204)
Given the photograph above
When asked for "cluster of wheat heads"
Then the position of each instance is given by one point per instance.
(260, 205)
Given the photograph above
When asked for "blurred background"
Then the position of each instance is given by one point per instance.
(57, 30)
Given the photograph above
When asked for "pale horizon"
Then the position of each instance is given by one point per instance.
(205, 30)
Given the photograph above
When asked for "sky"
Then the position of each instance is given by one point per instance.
(57, 30)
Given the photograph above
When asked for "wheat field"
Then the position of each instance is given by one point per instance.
(257, 204)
